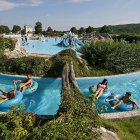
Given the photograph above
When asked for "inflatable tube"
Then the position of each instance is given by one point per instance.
(105, 94)
(122, 107)
(14, 101)
(92, 90)
(31, 89)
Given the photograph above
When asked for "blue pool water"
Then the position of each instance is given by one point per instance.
(45, 101)
(49, 46)
(118, 84)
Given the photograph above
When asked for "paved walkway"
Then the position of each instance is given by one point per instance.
(121, 115)
(40, 55)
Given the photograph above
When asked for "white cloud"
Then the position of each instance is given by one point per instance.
(7, 5)
(79, 1)
(35, 2)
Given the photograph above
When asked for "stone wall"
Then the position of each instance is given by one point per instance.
(16, 53)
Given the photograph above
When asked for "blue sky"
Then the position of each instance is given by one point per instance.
(63, 14)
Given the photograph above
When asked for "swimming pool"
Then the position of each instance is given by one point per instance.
(118, 84)
(45, 101)
(47, 46)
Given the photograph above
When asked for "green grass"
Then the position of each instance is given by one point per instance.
(129, 129)
(99, 72)
(126, 129)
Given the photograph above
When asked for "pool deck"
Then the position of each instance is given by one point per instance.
(109, 116)
(40, 55)
(121, 115)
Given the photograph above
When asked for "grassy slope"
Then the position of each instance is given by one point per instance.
(126, 129)
(129, 129)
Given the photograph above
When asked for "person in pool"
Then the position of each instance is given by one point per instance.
(8, 95)
(124, 100)
(101, 87)
(27, 83)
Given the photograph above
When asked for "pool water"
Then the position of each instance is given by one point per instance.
(47, 46)
(45, 101)
(117, 84)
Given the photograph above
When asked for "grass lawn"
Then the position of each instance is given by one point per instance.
(126, 129)
(129, 129)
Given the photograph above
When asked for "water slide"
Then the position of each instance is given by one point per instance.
(77, 41)
(65, 42)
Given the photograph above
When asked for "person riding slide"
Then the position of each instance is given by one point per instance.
(8, 95)
(27, 83)
(124, 100)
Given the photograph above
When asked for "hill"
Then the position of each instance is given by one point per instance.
(125, 28)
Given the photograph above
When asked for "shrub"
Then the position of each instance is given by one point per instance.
(131, 38)
(7, 43)
(16, 124)
(26, 65)
(114, 56)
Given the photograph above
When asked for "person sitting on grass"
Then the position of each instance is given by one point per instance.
(101, 88)
(124, 100)
(27, 83)
(8, 95)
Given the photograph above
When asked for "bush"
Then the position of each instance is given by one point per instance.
(116, 56)
(48, 67)
(16, 124)
(37, 66)
(26, 65)
(64, 57)
(131, 38)
(7, 43)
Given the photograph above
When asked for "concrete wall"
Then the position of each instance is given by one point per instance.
(121, 115)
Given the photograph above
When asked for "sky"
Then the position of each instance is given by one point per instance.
(64, 14)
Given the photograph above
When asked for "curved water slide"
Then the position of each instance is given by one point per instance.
(65, 42)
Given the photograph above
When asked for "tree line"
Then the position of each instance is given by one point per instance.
(39, 29)
(116, 29)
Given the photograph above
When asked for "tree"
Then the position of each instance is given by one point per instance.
(38, 28)
(106, 29)
(50, 30)
(90, 29)
(81, 30)
(23, 31)
(73, 29)
(4, 29)
(16, 29)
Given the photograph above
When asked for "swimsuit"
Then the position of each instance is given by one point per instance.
(102, 86)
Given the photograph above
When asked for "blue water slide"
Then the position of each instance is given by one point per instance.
(77, 41)
(65, 42)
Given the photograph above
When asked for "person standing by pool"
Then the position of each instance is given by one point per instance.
(8, 95)
(26, 39)
(101, 87)
(27, 83)
(124, 100)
